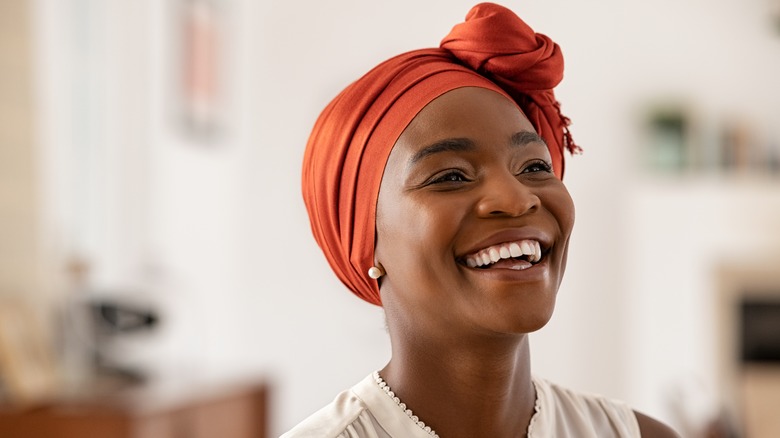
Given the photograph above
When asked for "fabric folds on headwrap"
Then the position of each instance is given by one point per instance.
(499, 45)
(349, 145)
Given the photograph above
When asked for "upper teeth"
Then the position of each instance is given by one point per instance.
(492, 254)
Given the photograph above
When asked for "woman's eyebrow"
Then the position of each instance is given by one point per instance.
(446, 145)
(522, 138)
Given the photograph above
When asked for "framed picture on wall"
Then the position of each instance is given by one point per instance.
(199, 73)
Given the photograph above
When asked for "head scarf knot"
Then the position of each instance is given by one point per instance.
(502, 47)
(352, 139)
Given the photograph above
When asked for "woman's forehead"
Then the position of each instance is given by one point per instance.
(467, 112)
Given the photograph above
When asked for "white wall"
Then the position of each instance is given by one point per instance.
(248, 289)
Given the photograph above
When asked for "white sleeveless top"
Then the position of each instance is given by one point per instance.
(366, 411)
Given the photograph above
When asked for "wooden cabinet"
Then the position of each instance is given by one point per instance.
(235, 411)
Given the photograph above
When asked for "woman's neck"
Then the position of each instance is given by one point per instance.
(463, 389)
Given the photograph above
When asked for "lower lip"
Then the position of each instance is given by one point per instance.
(537, 272)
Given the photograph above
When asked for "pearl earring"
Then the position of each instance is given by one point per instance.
(375, 272)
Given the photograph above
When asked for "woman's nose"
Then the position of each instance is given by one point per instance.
(504, 195)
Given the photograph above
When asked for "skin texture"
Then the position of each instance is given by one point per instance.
(651, 427)
(466, 173)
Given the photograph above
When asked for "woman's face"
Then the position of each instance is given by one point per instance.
(472, 224)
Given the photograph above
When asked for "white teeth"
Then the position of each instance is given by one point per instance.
(514, 250)
(488, 256)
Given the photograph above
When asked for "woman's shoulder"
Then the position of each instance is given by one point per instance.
(346, 416)
(652, 428)
(330, 421)
(562, 409)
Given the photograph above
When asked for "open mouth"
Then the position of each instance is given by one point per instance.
(517, 255)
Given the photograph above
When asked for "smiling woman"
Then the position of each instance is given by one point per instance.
(496, 195)
(434, 187)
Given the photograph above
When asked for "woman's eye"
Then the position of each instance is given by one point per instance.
(450, 177)
(537, 166)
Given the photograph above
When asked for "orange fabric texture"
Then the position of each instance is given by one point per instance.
(351, 140)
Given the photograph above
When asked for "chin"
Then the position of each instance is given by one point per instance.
(526, 320)
(530, 326)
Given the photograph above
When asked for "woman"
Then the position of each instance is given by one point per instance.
(433, 185)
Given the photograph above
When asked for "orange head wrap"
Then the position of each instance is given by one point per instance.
(351, 141)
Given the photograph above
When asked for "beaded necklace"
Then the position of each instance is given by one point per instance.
(386, 388)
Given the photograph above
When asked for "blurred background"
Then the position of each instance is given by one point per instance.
(153, 235)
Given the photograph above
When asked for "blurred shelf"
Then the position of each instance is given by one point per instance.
(236, 410)
(724, 184)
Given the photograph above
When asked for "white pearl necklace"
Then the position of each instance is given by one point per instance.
(386, 388)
